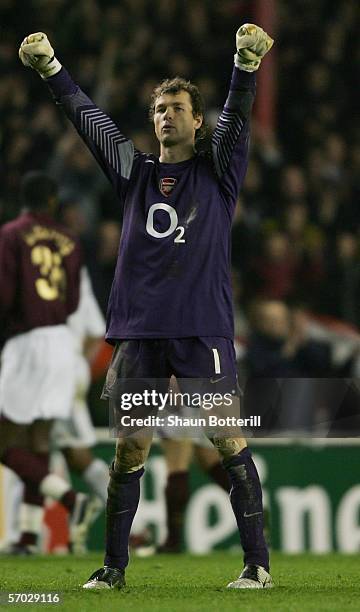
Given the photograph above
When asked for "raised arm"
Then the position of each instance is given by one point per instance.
(111, 149)
(231, 136)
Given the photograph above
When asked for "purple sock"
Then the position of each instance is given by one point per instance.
(122, 503)
(246, 501)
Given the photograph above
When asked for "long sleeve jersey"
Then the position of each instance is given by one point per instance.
(172, 277)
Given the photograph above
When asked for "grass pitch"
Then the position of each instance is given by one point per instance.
(182, 583)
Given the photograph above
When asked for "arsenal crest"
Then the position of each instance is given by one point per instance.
(166, 185)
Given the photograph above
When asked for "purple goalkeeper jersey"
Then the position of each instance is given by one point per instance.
(172, 278)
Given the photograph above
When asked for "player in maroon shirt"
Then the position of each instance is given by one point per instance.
(40, 263)
(39, 287)
(170, 307)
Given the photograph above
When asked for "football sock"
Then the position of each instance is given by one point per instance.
(122, 502)
(32, 494)
(68, 500)
(96, 475)
(32, 469)
(31, 510)
(246, 501)
(176, 498)
(219, 475)
(26, 464)
(30, 522)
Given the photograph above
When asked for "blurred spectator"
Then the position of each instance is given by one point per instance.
(272, 273)
(341, 291)
(102, 266)
(281, 353)
(279, 345)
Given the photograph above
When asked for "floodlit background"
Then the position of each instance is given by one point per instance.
(296, 271)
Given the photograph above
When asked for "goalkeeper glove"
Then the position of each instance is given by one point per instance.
(35, 51)
(251, 43)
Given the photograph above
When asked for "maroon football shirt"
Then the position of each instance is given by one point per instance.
(39, 273)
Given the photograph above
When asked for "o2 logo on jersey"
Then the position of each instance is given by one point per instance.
(173, 223)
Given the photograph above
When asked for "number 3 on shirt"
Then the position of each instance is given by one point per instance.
(173, 227)
(51, 285)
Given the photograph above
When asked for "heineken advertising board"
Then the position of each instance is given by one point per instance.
(312, 491)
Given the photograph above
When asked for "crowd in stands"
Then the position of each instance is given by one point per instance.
(296, 231)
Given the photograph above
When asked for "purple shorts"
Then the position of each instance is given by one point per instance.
(208, 358)
(204, 367)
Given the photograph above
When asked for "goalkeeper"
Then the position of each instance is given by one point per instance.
(170, 307)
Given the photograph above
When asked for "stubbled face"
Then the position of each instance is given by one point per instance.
(174, 121)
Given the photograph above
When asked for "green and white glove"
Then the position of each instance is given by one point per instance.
(37, 53)
(252, 43)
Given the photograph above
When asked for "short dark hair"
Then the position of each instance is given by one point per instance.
(174, 86)
(36, 189)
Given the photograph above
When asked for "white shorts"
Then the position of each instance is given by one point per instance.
(37, 375)
(78, 430)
